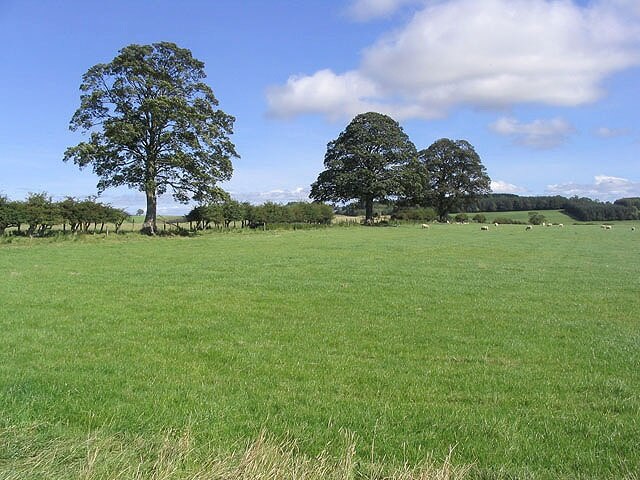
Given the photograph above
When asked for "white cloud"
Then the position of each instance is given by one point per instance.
(490, 53)
(498, 186)
(604, 187)
(630, 7)
(299, 194)
(537, 134)
(363, 10)
(323, 92)
(606, 132)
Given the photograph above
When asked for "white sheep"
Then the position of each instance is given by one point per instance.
(425, 225)
(496, 224)
(561, 225)
(633, 229)
(484, 227)
(607, 227)
(529, 227)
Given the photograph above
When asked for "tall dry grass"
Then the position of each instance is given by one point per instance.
(175, 457)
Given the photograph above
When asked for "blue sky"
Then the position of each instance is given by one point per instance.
(546, 91)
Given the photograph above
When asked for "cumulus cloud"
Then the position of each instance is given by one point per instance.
(537, 134)
(632, 7)
(490, 53)
(323, 92)
(604, 187)
(363, 10)
(606, 132)
(299, 194)
(499, 186)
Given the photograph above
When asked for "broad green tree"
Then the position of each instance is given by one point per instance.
(12, 214)
(153, 125)
(232, 211)
(41, 213)
(368, 161)
(452, 176)
(8, 214)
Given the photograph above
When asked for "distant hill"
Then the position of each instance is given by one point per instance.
(581, 209)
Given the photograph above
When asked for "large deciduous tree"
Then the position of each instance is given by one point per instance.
(368, 161)
(154, 126)
(453, 175)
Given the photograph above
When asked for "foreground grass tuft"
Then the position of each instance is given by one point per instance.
(175, 456)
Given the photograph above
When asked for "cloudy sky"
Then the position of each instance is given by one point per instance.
(547, 91)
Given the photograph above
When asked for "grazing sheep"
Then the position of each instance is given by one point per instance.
(484, 227)
(607, 227)
(603, 226)
(561, 225)
(529, 227)
(425, 225)
(633, 229)
(496, 224)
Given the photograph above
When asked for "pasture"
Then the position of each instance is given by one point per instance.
(554, 216)
(517, 349)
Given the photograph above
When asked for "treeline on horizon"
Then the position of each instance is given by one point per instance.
(222, 214)
(38, 214)
(581, 209)
(578, 208)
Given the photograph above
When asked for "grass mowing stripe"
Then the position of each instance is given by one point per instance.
(521, 348)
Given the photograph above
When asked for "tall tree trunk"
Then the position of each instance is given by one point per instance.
(149, 226)
(368, 210)
(442, 208)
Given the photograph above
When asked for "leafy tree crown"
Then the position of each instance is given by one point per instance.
(367, 161)
(153, 124)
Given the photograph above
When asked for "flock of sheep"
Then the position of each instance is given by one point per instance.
(530, 227)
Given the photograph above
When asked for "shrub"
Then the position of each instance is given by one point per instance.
(507, 221)
(479, 218)
(536, 218)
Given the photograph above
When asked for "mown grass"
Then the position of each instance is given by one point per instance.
(520, 349)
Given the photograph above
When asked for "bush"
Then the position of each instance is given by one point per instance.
(414, 213)
(536, 218)
(479, 218)
(507, 221)
(461, 218)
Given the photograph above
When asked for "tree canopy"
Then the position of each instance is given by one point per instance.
(41, 213)
(154, 126)
(453, 175)
(368, 161)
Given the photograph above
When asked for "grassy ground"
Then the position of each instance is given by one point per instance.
(554, 216)
(520, 349)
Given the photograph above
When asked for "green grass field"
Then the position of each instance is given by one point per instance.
(554, 216)
(519, 349)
